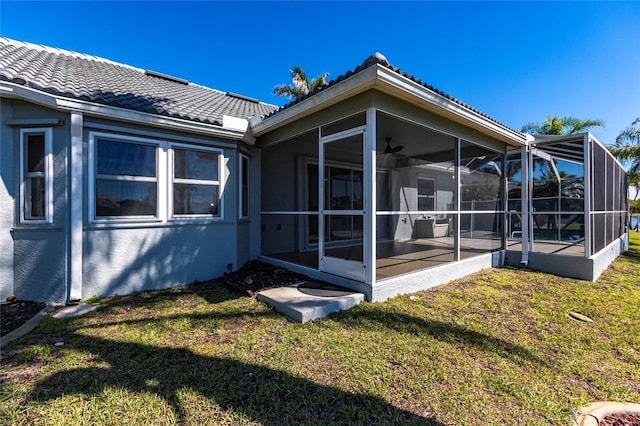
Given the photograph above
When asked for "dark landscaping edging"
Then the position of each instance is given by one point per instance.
(62, 312)
(27, 326)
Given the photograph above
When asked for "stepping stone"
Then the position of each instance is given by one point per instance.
(303, 307)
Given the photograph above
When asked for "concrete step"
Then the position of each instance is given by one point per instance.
(302, 307)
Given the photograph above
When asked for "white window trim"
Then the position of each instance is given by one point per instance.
(164, 178)
(241, 205)
(435, 192)
(47, 174)
(220, 183)
(159, 179)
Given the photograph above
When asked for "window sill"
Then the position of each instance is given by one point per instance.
(36, 227)
(136, 224)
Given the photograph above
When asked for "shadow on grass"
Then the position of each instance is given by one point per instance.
(212, 292)
(442, 331)
(259, 393)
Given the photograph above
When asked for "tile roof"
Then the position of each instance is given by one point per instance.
(78, 76)
(379, 59)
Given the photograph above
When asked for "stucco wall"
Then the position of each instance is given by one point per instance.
(405, 197)
(38, 250)
(121, 258)
(40, 265)
(7, 192)
(283, 189)
(122, 261)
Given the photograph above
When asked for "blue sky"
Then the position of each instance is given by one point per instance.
(516, 61)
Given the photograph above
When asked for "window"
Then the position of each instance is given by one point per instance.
(426, 194)
(244, 187)
(148, 180)
(196, 182)
(36, 176)
(126, 179)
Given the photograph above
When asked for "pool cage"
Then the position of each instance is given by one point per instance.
(572, 209)
(385, 205)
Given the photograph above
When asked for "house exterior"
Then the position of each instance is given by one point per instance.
(116, 179)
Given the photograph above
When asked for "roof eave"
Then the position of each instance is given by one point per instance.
(388, 81)
(15, 91)
(404, 88)
(345, 89)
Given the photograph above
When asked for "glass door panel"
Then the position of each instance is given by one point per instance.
(341, 213)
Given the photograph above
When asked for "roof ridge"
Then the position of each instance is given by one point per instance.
(60, 51)
(378, 59)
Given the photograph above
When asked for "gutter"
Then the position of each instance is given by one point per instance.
(390, 82)
(14, 91)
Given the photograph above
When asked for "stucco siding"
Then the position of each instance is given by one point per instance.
(7, 205)
(33, 263)
(122, 261)
(40, 265)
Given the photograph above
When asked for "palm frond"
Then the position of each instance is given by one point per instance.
(561, 126)
(287, 90)
(300, 80)
(531, 127)
(319, 81)
(629, 135)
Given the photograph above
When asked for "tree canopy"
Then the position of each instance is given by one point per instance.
(561, 126)
(301, 86)
(627, 148)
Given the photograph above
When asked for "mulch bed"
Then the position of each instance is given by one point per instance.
(256, 276)
(16, 313)
(620, 420)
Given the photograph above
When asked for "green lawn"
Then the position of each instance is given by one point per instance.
(494, 348)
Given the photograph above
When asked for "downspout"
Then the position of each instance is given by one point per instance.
(524, 189)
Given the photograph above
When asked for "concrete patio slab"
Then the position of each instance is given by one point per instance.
(301, 307)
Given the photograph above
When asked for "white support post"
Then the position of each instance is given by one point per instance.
(506, 216)
(75, 201)
(458, 217)
(321, 200)
(588, 189)
(524, 197)
(370, 218)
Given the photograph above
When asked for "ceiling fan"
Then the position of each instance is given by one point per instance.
(391, 149)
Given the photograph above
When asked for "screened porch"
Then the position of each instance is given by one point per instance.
(374, 196)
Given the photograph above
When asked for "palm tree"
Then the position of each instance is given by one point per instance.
(627, 148)
(301, 85)
(561, 126)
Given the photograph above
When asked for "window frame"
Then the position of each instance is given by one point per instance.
(46, 174)
(432, 196)
(93, 176)
(220, 183)
(243, 186)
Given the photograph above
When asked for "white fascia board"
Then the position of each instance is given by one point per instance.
(9, 90)
(402, 87)
(389, 81)
(358, 83)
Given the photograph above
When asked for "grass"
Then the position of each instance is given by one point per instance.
(496, 347)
